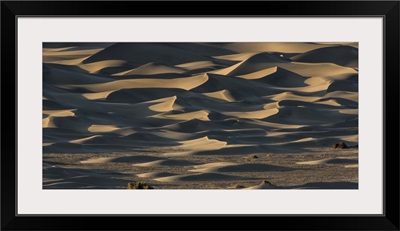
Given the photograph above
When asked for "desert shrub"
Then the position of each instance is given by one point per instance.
(265, 182)
(139, 185)
(251, 157)
(238, 186)
(341, 145)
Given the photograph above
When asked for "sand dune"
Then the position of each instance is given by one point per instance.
(200, 115)
(124, 159)
(338, 160)
(155, 174)
(61, 178)
(171, 54)
(200, 177)
(97, 67)
(327, 185)
(181, 83)
(277, 76)
(253, 114)
(313, 185)
(254, 63)
(317, 69)
(281, 47)
(183, 115)
(95, 128)
(203, 143)
(66, 56)
(165, 163)
(351, 166)
(341, 55)
(151, 69)
(224, 95)
(233, 167)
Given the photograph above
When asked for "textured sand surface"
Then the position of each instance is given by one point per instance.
(200, 115)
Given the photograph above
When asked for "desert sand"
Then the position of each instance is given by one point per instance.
(200, 115)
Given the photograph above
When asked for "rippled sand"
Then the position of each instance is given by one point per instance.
(200, 115)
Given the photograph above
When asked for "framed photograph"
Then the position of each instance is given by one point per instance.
(282, 113)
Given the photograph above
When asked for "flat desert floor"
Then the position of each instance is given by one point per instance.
(200, 115)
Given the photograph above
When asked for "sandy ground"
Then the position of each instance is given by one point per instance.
(193, 115)
(322, 168)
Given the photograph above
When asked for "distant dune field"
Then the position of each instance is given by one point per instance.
(200, 115)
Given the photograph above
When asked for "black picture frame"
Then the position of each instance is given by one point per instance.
(11, 10)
